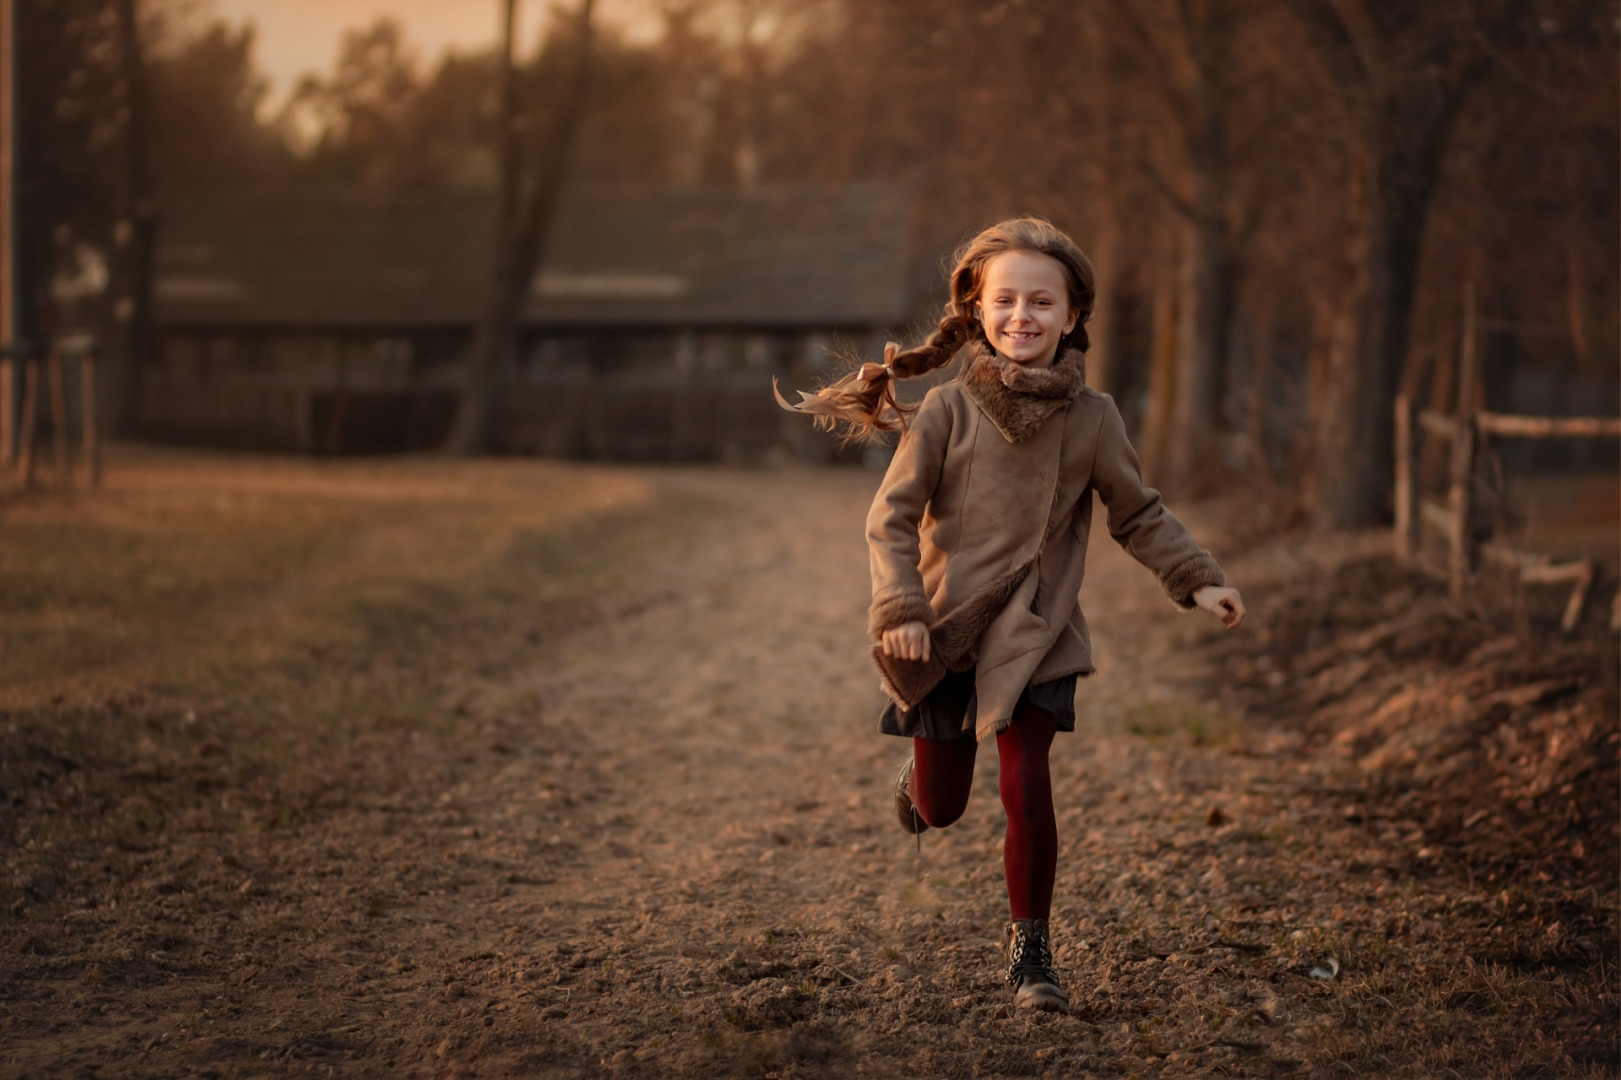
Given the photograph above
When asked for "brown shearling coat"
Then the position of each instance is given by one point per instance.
(980, 528)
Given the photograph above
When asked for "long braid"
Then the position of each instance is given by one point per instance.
(936, 351)
(863, 402)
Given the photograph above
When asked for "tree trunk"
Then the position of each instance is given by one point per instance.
(8, 194)
(1208, 285)
(519, 240)
(1103, 330)
(1352, 446)
(1402, 83)
(1257, 411)
(1206, 288)
(1162, 371)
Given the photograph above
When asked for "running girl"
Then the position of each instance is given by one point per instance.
(978, 538)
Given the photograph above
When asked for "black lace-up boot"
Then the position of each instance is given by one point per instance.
(1030, 968)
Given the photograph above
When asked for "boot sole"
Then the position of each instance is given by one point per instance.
(1044, 997)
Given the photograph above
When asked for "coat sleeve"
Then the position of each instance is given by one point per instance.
(1139, 521)
(895, 517)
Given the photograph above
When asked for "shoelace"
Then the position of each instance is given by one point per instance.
(1030, 955)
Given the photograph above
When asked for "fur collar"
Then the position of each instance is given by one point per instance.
(1019, 399)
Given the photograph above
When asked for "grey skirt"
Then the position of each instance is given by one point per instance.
(939, 716)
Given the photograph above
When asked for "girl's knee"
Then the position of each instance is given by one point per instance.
(1027, 792)
(939, 818)
(940, 804)
(942, 777)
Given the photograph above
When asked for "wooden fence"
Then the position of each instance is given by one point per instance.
(18, 427)
(1466, 433)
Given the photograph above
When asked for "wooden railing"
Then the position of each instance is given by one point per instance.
(1451, 518)
(1465, 432)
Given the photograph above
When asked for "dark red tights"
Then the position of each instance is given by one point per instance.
(945, 772)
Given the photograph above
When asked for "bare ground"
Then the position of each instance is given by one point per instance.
(531, 770)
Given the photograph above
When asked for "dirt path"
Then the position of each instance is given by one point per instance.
(658, 842)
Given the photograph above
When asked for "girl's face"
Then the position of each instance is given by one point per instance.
(1024, 306)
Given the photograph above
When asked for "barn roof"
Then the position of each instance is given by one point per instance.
(802, 256)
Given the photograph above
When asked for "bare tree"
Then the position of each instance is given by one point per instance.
(1400, 73)
(523, 220)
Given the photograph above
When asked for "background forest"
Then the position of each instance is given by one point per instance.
(1286, 200)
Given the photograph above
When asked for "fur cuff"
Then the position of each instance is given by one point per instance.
(898, 610)
(908, 681)
(1181, 581)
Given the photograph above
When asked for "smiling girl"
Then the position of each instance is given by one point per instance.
(978, 538)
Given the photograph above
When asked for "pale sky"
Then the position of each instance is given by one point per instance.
(296, 36)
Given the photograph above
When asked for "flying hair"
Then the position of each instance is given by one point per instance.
(862, 403)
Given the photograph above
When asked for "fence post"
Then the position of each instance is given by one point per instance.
(87, 415)
(1463, 456)
(59, 417)
(8, 411)
(25, 436)
(1406, 489)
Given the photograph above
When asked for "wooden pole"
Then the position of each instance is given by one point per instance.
(8, 412)
(1574, 607)
(25, 440)
(1463, 457)
(1469, 355)
(1443, 427)
(1406, 489)
(1549, 427)
(8, 236)
(59, 416)
(87, 416)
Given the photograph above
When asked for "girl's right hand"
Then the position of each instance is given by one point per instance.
(908, 641)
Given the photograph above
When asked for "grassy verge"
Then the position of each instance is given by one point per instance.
(212, 645)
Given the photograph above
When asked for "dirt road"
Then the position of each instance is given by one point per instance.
(642, 828)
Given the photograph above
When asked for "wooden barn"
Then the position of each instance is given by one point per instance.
(332, 322)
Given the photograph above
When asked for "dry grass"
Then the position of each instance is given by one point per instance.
(1478, 805)
(185, 560)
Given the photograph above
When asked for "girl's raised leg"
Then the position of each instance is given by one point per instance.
(1030, 855)
(942, 775)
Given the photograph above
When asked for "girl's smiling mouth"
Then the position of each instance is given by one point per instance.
(1024, 306)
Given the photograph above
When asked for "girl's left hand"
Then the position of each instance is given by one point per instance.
(1222, 602)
